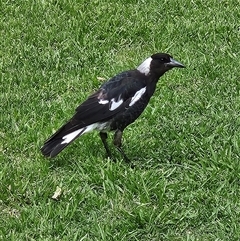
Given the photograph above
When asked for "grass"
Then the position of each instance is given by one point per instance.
(185, 146)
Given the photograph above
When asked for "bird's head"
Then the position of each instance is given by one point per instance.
(158, 64)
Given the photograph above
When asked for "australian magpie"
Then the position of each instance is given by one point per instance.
(117, 103)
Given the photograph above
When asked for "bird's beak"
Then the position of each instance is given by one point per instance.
(174, 63)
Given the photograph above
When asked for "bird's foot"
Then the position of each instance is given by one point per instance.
(123, 154)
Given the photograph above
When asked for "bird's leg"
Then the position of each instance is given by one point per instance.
(104, 137)
(117, 141)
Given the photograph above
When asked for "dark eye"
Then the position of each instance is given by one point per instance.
(162, 59)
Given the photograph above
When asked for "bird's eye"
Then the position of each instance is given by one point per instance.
(162, 59)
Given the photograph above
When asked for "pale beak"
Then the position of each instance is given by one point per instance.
(174, 63)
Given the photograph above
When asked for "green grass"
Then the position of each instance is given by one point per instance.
(185, 146)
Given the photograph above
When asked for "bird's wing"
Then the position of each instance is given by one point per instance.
(118, 93)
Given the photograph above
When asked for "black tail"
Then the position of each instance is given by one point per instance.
(52, 147)
(61, 139)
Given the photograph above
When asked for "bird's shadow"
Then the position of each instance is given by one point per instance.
(69, 158)
(91, 150)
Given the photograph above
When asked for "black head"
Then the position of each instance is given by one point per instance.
(166, 60)
(158, 64)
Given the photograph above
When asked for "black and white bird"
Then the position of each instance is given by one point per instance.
(118, 103)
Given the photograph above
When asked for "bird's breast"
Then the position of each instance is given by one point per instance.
(131, 112)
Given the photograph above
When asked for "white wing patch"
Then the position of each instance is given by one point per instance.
(69, 137)
(137, 96)
(103, 102)
(115, 104)
(144, 67)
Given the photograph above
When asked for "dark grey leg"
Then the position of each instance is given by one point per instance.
(117, 141)
(104, 137)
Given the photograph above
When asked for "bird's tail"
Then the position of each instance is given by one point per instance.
(62, 138)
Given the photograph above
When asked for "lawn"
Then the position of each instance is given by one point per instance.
(185, 147)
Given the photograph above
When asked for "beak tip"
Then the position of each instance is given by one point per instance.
(175, 63)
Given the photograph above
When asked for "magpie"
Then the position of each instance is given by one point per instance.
(115, 105)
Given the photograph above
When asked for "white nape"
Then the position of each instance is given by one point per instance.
(115, 104)
(137, 96)
(144, 67)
